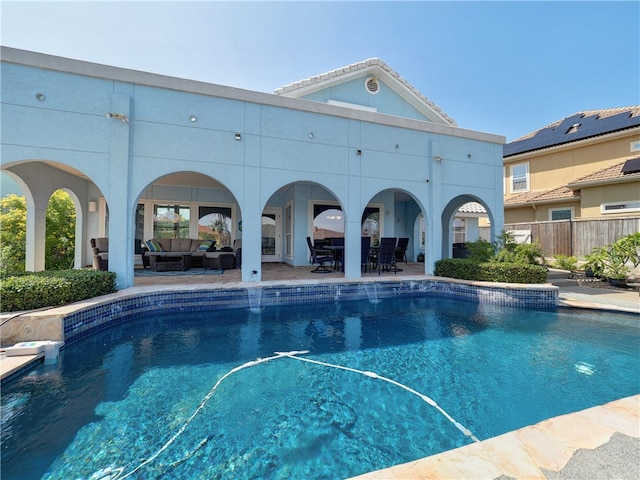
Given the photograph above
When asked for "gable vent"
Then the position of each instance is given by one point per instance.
(372, 85)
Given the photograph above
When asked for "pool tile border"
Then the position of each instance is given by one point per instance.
(86, 321)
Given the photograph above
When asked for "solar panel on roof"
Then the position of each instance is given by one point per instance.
(589, 126)
(631, 166)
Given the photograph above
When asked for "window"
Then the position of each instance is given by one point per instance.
(328, 221)
(620, 207)
(635, 146)
(288, 230)
(421, 228)
(560, 214)
(214, 223)
(520, 178)
(459, 230)
(171, 221)
(371, 225)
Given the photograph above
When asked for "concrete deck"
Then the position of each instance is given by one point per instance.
(602, 442)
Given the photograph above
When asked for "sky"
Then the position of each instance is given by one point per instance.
(506, 67)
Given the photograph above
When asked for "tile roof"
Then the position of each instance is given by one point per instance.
(579, 126)
(472, 207)
(356, 69)
(542, 196)
(612, 174)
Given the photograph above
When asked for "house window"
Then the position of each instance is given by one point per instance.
(635, 146)
(459, 230)
(328, 221)
(560, 214)
(371, 224)
(520, 178)
(620, 207)
(214, 223)
(171, 221)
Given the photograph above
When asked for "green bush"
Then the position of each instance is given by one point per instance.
(53, 288)
(565, 263)
(465, 269)
(480, 250)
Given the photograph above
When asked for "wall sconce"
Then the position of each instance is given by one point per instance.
(93, 206)
(358, 152)
(237, 136)
(310, 134)
(193, 118)
(438, 158)
(118, 116)
(40, 97)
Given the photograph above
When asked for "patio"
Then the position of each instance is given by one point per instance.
(270, 272)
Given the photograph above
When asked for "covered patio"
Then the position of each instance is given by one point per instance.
(271, 272)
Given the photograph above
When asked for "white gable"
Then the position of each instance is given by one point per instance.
(370, 71)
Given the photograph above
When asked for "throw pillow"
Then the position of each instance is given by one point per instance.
(205, 246)
(153, 246)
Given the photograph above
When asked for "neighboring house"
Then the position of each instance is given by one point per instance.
(585, 166)
(355, 151)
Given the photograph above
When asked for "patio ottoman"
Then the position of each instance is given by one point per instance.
(218, 260)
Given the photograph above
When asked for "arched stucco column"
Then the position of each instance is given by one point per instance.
(252, 226)
(352, 245)
(119, 198)
(36, 236)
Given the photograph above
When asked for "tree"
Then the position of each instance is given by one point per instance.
(13, 233)
(60, 233)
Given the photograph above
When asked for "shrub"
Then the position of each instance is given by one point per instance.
(480, 250)
(53, 288)
(565, 263)
(612, 261)
(465, 269)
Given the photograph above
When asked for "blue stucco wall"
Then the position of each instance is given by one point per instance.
(326, 152)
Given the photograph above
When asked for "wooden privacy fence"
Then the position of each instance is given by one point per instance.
(577, 237)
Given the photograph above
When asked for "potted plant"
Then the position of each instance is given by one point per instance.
(595, 262)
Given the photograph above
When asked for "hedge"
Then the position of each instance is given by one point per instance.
(464, 269)
(30, 291)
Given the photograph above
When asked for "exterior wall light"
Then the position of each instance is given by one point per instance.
(40, 97)
(438, 158)
(118, 116)
(193, 118)
(237, 136)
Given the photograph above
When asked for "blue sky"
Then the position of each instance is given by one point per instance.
(501, 67)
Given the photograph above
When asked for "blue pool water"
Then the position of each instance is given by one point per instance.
(120, 398)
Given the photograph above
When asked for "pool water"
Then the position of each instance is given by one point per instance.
(125, 398)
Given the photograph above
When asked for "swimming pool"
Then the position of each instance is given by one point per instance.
(120, 398)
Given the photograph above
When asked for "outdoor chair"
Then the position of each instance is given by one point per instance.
(319, 257)
(100, 249)
(386, 255)
(365, 250)
(401, 250)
